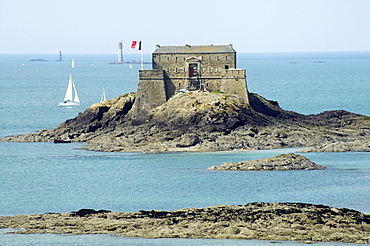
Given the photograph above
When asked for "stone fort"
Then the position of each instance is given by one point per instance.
(187, 68)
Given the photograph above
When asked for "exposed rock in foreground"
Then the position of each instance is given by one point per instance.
(204, 121)
(281, 162)
(264, 221)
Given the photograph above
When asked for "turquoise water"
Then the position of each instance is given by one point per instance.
(311, 83)
(44, 177)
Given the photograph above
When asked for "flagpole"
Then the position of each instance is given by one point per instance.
(137, 45)
(142, 55)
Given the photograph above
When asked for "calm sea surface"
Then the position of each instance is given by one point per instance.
(45, 177)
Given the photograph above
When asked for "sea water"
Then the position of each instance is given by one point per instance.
(47, 177)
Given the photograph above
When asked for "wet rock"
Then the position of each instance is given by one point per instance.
(281, 162)
(84, 211)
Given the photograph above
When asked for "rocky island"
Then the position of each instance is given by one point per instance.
(206, 121)
(264, 221)
(281, 162)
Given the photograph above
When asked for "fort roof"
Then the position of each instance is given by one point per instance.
(190, 49)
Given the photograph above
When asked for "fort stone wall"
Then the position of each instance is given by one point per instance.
(229, 81)
(176, 68)
(150, 94)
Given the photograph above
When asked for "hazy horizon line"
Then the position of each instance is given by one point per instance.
(239, 52)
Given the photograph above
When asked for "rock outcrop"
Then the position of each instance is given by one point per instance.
(265, 221)
(204, 121)
(357, 145)
(281, 162)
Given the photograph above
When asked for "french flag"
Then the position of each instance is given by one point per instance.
(136, 45)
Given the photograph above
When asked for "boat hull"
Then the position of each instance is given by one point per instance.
(68, 104)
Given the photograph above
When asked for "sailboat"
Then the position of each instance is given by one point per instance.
(73, 63)
(69, 100)
(103, 98)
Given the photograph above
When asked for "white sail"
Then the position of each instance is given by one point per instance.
(76, 99)
(69, 93)
(103, 98)
(73, 63)
(69, 101)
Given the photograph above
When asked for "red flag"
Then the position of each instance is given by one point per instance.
(136, 45)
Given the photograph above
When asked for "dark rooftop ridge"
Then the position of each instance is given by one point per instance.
(201, 49)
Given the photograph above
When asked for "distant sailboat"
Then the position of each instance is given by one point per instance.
(69, 100)
(73, 63)
(103, 98)
(130, 65)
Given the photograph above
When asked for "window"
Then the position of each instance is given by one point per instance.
(226, 66)
(193, 70)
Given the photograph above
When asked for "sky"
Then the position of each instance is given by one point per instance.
(97, 26)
